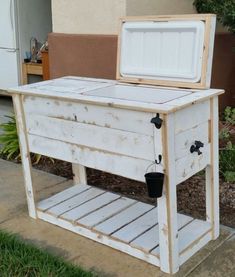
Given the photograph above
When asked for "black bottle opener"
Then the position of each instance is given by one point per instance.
(157, 121)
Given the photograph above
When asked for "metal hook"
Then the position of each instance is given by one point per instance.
(159, 159)
(155, 162)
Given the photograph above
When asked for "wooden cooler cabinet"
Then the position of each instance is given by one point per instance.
(158, 116)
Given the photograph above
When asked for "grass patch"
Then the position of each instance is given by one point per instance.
(18, 259)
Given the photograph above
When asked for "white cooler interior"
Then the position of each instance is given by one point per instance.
(139, 93)
(168, 50)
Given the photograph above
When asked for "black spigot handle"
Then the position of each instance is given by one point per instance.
(196, 147)
(157, 121)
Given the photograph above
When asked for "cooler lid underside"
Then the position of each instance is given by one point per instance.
(170, 50)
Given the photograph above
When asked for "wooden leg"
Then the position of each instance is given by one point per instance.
(24, 74)
(79, 173)
(25, 155)
(167, 205)
(212, 173)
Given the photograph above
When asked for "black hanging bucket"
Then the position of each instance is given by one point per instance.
(154, 181)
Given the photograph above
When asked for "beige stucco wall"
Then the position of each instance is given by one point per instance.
(102, 16)
(87, 16)
(156, 7)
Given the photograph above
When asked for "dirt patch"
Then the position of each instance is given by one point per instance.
(190, 194)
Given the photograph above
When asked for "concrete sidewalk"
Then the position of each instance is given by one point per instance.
(216, 259)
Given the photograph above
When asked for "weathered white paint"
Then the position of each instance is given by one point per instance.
(138, 122)
(125, 217)
(79, 174)
(185, 139)
(192, 116)
(125, 166)
(196, 96)
(167, 204)
(25, 155)
(116, 244)
(192, 163)
(133, 225)
(88, 207)
(91, 136)
(60, 197)
(212, 172)
(150, 239)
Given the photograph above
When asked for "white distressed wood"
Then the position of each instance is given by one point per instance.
(109, 117)
(193, 98)
(125, 217)
(212, 173)
(60, 197)
(210, 51)
(167, 204)
(192, 116)
(184, 140)
(202, 241)
(150, 239)
(74, 201)
(121, 165)
(137, 227)
(70, 84)
(189, 235)
(192, 163)
(25, 155)
(90, 206)
(107, 139)
(79, 174)
(192, 232)
(106, 212)
(100, 238)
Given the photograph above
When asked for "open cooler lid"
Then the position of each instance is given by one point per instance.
(167, 50)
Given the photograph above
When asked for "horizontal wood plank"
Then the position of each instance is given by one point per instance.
(90, 206)
(125, 217)
(120, 119)
(137, 227)
(107, 139)
(184, 140)
(75, 201)
(192, 116)
(191, 164)
(106, 212)
(190, 235)
(150, 239)
(121, 165)
(62, 196)
(106, 240)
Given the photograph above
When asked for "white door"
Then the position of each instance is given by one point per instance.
(7, 24)
(9, 73)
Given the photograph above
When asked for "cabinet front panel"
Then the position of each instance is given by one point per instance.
(109, 139)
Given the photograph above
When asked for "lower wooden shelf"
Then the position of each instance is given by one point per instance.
(120, 222)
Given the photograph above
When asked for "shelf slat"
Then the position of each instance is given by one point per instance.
(90, 206)
(119, 220)
(62, 196)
